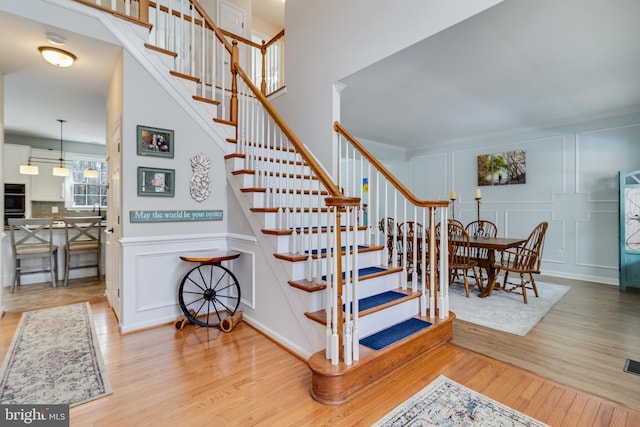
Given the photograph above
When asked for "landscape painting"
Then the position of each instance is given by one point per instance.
(502, 168)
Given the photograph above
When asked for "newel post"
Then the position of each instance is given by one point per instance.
(263, 83)
(235, 63)
(341, 204)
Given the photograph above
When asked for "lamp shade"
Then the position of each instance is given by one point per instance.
(29, 169)
(60, 171)
(57, 57)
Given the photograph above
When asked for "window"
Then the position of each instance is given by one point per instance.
(86, 192)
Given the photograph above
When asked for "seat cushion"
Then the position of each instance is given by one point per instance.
(83, 246)
(34, 249)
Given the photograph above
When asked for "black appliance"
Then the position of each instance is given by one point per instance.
(14, 201)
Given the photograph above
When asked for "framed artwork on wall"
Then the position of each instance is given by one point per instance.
(154, 141)
(156, 182)
(502, 168)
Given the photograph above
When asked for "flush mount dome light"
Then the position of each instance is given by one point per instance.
(57, 57)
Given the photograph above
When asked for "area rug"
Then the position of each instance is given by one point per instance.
(447, 403)
(504, 311)
(54, 358)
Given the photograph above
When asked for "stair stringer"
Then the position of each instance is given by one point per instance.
(307, 337)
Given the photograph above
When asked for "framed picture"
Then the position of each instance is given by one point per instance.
(154, 141)
(156, 182)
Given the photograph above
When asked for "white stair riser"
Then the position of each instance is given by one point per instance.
(383, 319)
(281, 156)
(280, 182)
(275, 220)
(285, 245)
(299, 269)
(280, 168)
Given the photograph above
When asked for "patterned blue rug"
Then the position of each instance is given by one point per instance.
(54, 358)
(395, 333)
(447, 403)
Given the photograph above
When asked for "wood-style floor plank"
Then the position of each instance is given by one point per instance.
(202, 376)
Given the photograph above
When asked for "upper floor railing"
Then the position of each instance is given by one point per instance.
(182, 28)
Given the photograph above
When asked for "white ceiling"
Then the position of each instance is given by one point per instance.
(36, 93)
(519, 65)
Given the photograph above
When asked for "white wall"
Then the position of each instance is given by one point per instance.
(571, 182)
(151, 252)
(329, 40)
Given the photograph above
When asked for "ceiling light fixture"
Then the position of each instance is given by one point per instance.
(57, 57)
(61, 170)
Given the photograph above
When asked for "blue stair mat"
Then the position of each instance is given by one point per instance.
(324, 250)
(395, 333)
(379, 299)
(362, 272)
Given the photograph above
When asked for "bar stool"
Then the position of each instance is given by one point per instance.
(82, 235)
(32, 239)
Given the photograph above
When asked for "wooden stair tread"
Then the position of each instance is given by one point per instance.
(320, 315)
(291, 257)
(315, 210)
(278, 174)
(160, 50)
(206, 100)
(184, 76)
(308, 286)
(282, 232)
(263, 189)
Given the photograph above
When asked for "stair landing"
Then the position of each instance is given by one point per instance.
(336, 384)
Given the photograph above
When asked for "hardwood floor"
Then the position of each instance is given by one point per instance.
(202, 376)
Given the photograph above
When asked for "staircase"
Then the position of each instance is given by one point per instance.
(321, 233)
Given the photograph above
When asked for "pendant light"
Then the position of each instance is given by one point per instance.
(29, 169)
(61, 170)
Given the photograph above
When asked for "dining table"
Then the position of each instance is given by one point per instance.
(492, 244)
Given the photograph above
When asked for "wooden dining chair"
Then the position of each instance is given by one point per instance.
(524, 260)
(460, 261)
(481, 229)
(388, 228)
(406, 233)
(32, 239)
(82, 236)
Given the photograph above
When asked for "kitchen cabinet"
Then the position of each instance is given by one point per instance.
(14, 156)
(45, 187)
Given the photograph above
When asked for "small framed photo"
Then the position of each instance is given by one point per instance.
(154, 141)
(156, 182)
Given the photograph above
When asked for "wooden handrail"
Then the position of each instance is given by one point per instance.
(326, 180)
(275, 38)
(390, 177)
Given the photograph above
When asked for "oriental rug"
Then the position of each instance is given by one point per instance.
(447, 403)
(504, 311)
(54, 358)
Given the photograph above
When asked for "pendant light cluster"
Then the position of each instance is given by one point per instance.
(60, 169)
